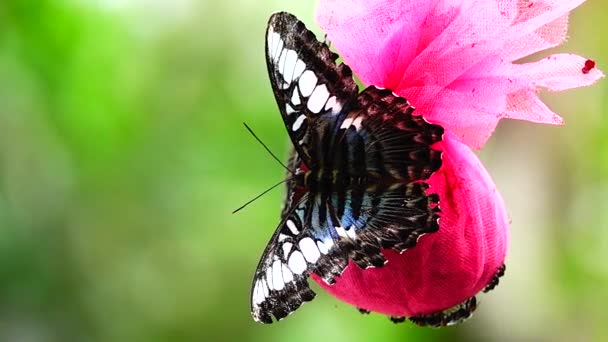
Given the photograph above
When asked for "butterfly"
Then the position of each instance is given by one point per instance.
(360, 160)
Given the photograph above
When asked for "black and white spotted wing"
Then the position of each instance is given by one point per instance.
(303, 244)
(360, 159)
(307, 83)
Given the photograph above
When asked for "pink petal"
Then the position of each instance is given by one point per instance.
(472, 105)
(459, 112)
(361, 28)
(452, 58)
(446, 267)
(526, 105)
(539, 25)
(401, 47)
(559, 72)
(469, 39)
(545, 37)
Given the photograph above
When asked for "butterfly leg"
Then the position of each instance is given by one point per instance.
(397, 319)
(454, 315)
(495, 280)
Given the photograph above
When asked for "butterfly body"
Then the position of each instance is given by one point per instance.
(360, 161)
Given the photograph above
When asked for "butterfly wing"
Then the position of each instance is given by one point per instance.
(306, 80)
(279, 284)
(320, 232)
(306, 243)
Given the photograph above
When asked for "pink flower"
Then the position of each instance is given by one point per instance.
(454, 61)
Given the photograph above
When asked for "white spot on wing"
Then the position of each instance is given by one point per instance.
(282, 237)
(324, 246)
(287, 275)
(350, 121)
(318, 98)
(299, 69)
(265, 288)
(295, 97)
(287, 248)
(290, 65)
(281, 64)
(346, 123)
(357, 123)
(332, 104)
(307, 83)
(277, 276)
(290, 224)
(269, 278)
(296, 126)
(289, 109)
(309, 249)
(296, 263)
(270, 41)
(278, 49)
(351, 232)
(256, 293)
(273, 43)
(341, 232)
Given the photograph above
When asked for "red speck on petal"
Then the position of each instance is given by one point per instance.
(530, 5)
(473, 45)
(589, 64)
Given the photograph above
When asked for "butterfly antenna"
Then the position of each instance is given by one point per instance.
(260, 195)
(268, 150)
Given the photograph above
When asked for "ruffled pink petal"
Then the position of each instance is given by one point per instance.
(545, 37)
(401, 47)
(469, 39)
(538, 25)
(526, 105)
(446, 267)
(459, 112)
(472, 105)
(559, 72)
(351, 26)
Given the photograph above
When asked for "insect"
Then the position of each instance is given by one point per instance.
(359, 163)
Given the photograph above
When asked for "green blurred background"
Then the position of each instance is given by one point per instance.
(122, 155)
